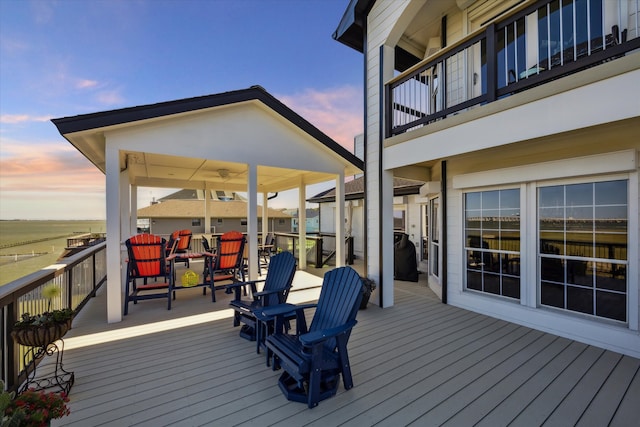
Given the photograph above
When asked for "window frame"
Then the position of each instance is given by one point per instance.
(521, 231)
(530, 274)
(632, 226)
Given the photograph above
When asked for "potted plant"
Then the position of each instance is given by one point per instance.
(8, 417)
(368, 286)
(42, 329)
(37, 408)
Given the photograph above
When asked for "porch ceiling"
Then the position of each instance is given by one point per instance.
(158, 170)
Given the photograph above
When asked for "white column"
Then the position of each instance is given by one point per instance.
(340, 255)
(265, 216)
(125, 206)
(207, 215)
(302, 225)
(114, 258)
(133, 225)
(252, 221)
(386, 199)
(387, 237)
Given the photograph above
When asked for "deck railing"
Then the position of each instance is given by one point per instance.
(78, 276)
(540, 43)
(320, 247)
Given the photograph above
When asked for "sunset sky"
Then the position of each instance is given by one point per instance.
(68, 57)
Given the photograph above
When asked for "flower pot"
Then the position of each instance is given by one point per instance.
(40, 336)
(365, 300)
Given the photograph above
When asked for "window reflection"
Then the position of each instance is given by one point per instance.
(492, 239)
(583, 247)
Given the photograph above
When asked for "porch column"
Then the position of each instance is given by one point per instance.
(340, 220)
(125, 207)
(252, 222)
(114, 258)
(265, 216)
(207, 215)
(386, 237)
(133, 225)
(302, 225)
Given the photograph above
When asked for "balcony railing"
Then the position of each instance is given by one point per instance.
(540, 43)
(78, 278)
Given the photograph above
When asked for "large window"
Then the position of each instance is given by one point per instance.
(492, 241)
(583, 248)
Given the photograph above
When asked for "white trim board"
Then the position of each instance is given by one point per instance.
(619, 161)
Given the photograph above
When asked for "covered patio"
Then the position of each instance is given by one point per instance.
(243, 140)
(419, 362)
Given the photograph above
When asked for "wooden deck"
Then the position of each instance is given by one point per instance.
(419, 363)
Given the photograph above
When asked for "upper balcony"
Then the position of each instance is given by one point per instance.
(528, 46)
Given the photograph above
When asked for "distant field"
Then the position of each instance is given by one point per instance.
(28, 246)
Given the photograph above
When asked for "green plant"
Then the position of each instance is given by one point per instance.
(49, 317)
(39, 407)
(8, 420)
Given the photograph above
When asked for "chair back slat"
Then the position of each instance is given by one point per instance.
(282, 268)
(146, 255)
(339, 300)
(185, 239)
(229, 250)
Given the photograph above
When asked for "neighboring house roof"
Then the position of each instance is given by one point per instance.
(354, 190)
(188, 194)
(195, 209)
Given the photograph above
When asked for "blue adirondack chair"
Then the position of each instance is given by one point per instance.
(314, 358)
(275, 291)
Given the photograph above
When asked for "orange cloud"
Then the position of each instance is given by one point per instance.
(336, 111)
(32, 167)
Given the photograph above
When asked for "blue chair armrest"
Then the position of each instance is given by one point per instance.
(280, 309)
(267, 292)
(239, 284)
(312, 338)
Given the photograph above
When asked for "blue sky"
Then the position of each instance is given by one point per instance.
(68, 57)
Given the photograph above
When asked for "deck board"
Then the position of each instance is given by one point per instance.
(420, 361)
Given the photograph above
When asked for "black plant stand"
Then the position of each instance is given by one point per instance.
(58, 379)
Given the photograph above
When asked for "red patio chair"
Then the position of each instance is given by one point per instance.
(226, 263)
(147, 260)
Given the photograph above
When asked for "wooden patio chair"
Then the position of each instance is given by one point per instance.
(275, 291)
(183, 237)
(314, 358)
(147, 260)
(225, 264)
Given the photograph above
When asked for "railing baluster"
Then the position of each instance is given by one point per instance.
(412, 100)
(25, 295)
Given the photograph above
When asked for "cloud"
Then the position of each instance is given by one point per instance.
(29, 167)
(22, 118)
(86, 83)
(335, 111)
(110, 97)
(42, 11)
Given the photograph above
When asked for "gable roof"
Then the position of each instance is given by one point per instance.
(180, 208)
(354, 190)
(108, 119)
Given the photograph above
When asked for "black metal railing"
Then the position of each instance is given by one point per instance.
(538, 44)
(78, 278)
(320, 247)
